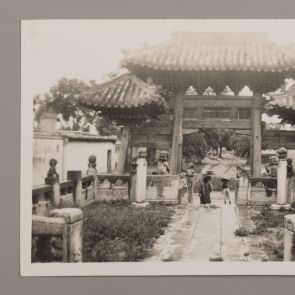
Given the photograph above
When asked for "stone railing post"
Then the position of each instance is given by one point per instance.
(289, 238)
(93, 171)
(282, 177)
(53, 179)
(242, 188)
(141, 176)
(132, 189)
(74, 220)
(49, 239)
(76, 177)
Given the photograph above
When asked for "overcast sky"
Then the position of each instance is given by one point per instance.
(88, 49)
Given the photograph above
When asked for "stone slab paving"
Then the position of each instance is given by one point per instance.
(198, 234)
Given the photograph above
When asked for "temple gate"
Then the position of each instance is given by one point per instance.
(160, 76)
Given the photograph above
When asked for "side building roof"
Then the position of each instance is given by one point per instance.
(125, 98)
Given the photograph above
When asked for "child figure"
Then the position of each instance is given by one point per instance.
(225, 190)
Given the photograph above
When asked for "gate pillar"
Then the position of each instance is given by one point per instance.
(256, 136)
(176, 153)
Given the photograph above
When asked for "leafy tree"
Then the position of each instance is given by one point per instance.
(62, 97)
(241, 144)
(194, 146)
(287, 115)
(218, 138)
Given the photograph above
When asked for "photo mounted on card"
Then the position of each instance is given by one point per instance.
(157, 147)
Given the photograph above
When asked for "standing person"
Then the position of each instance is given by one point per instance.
(205, 190)
(225, 190)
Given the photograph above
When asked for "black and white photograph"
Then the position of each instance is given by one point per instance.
(157, 147)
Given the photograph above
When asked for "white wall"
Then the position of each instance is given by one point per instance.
(44, 149)
(76, 155)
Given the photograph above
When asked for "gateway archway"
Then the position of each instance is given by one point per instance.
(220, 112)
(218, 60)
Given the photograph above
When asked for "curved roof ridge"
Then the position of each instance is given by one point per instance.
(124, 91)
(147, 48)
(112, 81)
(213, 51)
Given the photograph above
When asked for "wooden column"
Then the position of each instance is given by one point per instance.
(126, 132)
(256, 135)
(176, 153)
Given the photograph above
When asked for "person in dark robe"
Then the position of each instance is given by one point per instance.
(205, 192)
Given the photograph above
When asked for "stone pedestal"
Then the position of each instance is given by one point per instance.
(242, 188)
(140, 183)
(56, 190)
(282, 177)
(289, 238)
(49, 239)
(76, 177)
(93, 172)
(74, 220)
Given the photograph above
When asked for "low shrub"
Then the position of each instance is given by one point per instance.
(117, 231)
(267, 219)
(241, 232)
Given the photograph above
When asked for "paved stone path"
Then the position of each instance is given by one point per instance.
(198, 234)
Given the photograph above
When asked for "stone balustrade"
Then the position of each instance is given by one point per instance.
(166, 188)
(113, 187)
(263, 190)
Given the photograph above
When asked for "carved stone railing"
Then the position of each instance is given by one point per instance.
(49, 239)
(113, 187)
(88, 193)
(263, 190)
(57, 238)
(165, 188)
(264, 181)
(67, 194)
(42, 196)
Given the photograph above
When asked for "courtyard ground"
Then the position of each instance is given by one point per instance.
(198, 234)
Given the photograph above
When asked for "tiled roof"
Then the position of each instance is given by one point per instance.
(284, 100)
(210, 51)
(123, 92)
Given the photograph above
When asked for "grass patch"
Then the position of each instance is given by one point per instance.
(117, 231)
(270, 228)
(268, 219)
